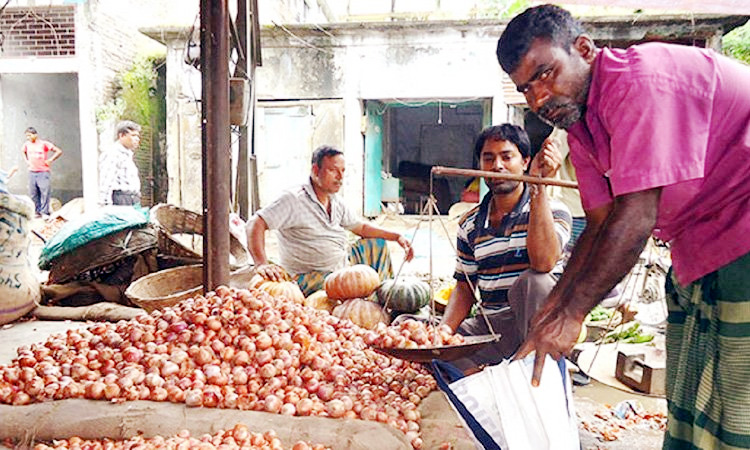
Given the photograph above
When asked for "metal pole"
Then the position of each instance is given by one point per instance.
(440, 170)
(240, 71)
(216, 141)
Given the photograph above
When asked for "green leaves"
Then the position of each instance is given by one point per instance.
(736, 43)
(135, 95)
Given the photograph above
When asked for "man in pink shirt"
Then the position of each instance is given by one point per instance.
(39, 154)
(660, 139)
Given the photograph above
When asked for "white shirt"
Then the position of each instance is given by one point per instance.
(117, 171)
(310, 239)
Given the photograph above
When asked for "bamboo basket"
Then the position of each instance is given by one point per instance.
(101, 252)
(166, 288)
(171, 221)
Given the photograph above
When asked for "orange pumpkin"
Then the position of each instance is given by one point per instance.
(288, 289)
(357, 281)
(361, 312)
(319, 300)
(257, 279)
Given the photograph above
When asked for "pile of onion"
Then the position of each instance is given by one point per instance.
(236, 438)
(412, 334)
(230, 349)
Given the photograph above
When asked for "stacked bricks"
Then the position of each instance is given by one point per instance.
(44, 32)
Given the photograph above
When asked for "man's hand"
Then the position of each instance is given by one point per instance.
(271, 272)
(406, 245)
(553, 331)
(547, 161)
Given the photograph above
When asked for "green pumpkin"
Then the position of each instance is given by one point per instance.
(404, 295)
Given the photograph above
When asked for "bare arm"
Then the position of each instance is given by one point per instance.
(367, 230)
(541, 241)
(256, 240)
(56, 153)
(609, 248)
(459, 305)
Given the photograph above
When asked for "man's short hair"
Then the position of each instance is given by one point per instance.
(545, 21)
(324, 151)
(126, 126)
(504, 132)
(31, 130)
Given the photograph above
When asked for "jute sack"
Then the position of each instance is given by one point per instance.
(19, 286)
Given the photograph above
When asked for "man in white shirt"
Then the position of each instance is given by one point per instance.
(311, 222)
(119, 181)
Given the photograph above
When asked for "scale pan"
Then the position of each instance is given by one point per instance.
(471, 345)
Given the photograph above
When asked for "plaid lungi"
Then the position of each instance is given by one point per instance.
(708, 360)
(371, 251)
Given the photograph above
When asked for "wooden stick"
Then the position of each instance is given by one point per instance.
(440, 170)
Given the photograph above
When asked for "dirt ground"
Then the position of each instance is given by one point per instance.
(434, 258)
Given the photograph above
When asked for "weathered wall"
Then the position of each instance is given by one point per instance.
(397, 61)
(105, 41)
(385, 62)
(108, 42)
(52, 110)
(183, 140)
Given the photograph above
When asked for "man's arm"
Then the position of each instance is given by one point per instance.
(542, 243)
(609, 247)
(459, 305)
(256, 241)
(367, 230)
(56, 153)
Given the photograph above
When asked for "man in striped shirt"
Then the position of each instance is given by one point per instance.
(508, 245)
(312, 221)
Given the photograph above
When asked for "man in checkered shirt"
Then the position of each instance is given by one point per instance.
(312, 223)
(119, 181)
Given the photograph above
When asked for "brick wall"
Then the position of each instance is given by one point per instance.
(44, 32)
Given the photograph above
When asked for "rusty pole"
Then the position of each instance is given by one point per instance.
(215, 141)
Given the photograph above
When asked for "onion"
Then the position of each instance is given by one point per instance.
(335, 408)
(194, 397)
(272, 404)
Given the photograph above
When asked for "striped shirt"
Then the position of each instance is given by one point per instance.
(494, 258)
(310, 239)
(117, 171)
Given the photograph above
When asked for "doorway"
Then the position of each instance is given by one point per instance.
(405, 139)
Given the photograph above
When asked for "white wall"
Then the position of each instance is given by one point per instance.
(387, 62)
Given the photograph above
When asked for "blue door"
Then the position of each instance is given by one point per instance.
(373, 159)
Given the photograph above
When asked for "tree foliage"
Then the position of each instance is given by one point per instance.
(500, 9)
(737, 43)
(134, 97)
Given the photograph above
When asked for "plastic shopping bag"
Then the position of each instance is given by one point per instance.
(504, 411)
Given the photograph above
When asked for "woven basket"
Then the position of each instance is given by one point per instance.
(166, 288)
(101, 252)
(171, 220)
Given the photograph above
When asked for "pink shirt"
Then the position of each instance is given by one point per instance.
(674, 117)
(36, 153)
